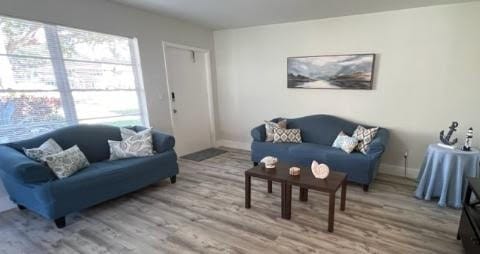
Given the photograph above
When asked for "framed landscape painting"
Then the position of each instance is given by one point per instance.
(331, 72)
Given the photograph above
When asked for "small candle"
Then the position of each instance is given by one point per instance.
(294, 171)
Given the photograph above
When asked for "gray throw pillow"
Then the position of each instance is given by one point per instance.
(365, 137)
(49, 147)
(66, 163)
(287, 136)
(270, 126)
(126, 133)
(138, 145)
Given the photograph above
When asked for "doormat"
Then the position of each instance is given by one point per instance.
(204, 154)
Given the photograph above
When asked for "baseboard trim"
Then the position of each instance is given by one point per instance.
(396, 170)
(385, 168)
(233, 144)
(6, 204)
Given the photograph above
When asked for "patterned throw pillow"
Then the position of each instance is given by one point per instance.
(66, 163)
(126, 133)
(138, 145)
(270, 126)
(48, 148)
(286, 136)
(345, 142)
(365, 137)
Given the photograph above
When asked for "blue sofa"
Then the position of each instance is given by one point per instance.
(318, 133)
(32, 185)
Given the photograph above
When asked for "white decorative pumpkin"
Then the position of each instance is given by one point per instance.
(320, 171)
(269, 161)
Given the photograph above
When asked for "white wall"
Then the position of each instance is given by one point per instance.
(107, 17)
(427, 74)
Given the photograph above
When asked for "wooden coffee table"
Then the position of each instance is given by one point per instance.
(305, 181)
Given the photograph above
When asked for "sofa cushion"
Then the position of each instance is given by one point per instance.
(355, 164)
(262, 149)
(108, 179)
(310, 151)
(321, 129)
(91, 139)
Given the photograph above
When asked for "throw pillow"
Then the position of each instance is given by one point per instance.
(126, 133)
(286, 136)
(270, 126)
(49, 147)
(138, 145)
(66, 163)
(345, 142)
(365, 137)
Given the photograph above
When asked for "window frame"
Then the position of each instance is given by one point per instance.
(61, 76)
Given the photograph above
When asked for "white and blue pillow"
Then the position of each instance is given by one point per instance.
(133, 144)
(50, 147)
(345, 142)
(67, 162)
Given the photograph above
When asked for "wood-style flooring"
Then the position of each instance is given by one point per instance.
(204, 213)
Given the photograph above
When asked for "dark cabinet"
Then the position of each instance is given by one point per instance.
(469, 228)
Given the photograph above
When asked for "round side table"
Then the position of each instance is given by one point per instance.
(443, 174)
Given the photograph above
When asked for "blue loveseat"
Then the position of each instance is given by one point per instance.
(318, 133)
(32, 185)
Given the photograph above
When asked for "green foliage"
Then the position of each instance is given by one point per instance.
(21, 36)
(17, 109)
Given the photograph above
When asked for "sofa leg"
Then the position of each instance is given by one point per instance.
(21, 207)
(365, 187)
(173, 179)
(60, 222)
(255, 164)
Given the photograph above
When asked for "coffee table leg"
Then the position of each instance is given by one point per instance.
(247, 191)
(303, 194)
(344, 195)
(288, 201)
(331, 211)
(269, 186)
(283, 187)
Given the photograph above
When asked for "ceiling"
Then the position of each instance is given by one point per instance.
(223, 14)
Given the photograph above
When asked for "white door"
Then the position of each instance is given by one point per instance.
(187, 80)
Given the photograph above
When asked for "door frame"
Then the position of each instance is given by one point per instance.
(209, 86)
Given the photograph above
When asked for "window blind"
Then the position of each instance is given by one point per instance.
(53, 76)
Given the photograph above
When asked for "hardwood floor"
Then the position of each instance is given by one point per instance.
(204, 213)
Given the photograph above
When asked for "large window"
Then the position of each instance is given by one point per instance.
(53, 76)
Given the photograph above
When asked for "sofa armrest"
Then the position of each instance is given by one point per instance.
(379, 143)
(19, 166)
(259, 133)
(161, 142)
